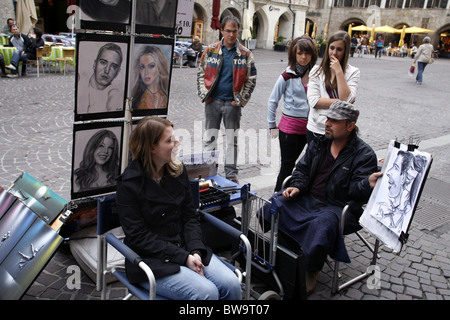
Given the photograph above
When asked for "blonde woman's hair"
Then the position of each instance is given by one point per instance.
(144, 137)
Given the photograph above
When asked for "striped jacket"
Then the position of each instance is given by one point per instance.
(244, 72)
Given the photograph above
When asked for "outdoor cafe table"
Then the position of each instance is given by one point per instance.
(57, 52)
(3, 40)
(7, 53)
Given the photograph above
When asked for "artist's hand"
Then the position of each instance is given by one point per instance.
(233, 103)
(373, 178)
(194, 262)
(290, 193)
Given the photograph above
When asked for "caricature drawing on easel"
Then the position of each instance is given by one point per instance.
(404, 179)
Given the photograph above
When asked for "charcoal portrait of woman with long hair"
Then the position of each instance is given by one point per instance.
(100, 163)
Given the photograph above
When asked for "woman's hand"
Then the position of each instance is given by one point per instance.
(194, 262)
(335, 65)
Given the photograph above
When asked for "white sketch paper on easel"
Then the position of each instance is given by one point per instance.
(390, 208)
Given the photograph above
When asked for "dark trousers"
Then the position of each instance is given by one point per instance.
(291, 146)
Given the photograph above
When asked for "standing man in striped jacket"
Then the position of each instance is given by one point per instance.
(225, 82)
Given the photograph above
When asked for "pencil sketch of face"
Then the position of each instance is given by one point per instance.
(104, 151)
(148, 70)
(401, 176)
(107, 65)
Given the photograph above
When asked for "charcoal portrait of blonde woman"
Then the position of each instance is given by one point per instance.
(151, 71)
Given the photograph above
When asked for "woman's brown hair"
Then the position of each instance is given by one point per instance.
(325, 64)
(305, 44)
(144, 137)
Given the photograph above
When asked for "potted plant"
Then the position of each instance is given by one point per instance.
(252, 41)
(280, 45)
(321, 46)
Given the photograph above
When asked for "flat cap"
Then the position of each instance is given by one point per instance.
(341, 110)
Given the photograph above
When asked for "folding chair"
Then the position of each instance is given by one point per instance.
(68, 56)
(108, 219)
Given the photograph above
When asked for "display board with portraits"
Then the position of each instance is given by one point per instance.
(96, 158)
(101, 85)
(152, 16)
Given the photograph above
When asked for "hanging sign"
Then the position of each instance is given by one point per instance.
(184, 18)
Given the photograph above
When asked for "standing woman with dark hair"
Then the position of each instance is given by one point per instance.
(151, 87)
(333, 80)
(293, 85)
(161, 224)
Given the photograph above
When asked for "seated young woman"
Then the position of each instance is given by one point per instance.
(162, 225)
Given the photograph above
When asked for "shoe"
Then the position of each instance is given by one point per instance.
(10, 67)
(311, 279)
(12, 75)
(234, 179)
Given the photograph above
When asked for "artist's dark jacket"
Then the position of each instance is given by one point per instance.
(349, 178)
(160, 221)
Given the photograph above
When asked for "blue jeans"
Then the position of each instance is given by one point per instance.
(217, 110)
(420, 68)
(16, 58)
(219, 283)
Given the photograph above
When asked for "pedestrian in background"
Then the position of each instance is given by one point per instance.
(379, 47)
(292, 85)
(423, 57)
(333, 80)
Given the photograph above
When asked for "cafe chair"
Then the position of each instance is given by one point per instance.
(39, 62)
(107, 219)
(68, 56)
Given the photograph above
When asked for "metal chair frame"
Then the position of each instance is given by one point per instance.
(104, 237)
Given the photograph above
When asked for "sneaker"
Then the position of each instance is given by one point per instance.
(12, 75)
(10, 67)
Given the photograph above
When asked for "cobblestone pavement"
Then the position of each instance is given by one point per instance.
(36, 136)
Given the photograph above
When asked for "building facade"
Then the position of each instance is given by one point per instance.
(286, 19)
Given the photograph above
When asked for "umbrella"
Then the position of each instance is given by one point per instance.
(372, 34)
(361, 28)
(402, 37)
(215, 22)
(313, 35)
(307, 27)
(386, 29)
(325, 33)
(350, 29)
(246, 34)
(418, 30)
(26, 15)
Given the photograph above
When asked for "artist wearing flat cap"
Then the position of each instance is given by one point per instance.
(336, 168)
